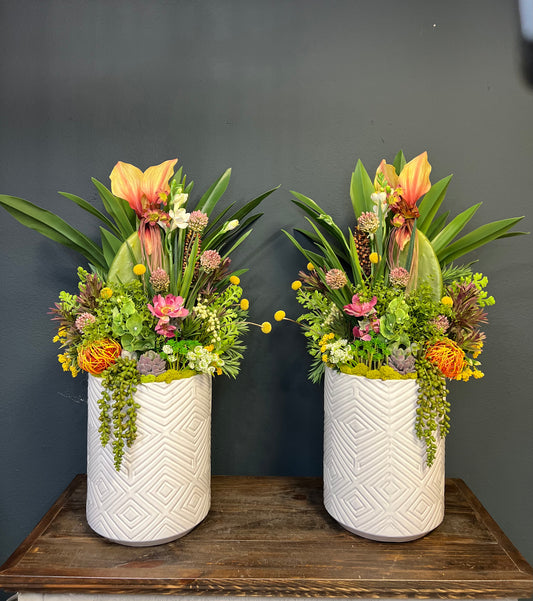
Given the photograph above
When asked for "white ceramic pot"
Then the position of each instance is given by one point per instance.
(376, 480)
(163, 489)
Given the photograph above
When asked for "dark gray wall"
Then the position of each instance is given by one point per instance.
(285, 92)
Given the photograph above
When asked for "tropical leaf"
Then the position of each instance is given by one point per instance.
(436, 225)
(456, 225)
(119, 209)
(86, 206)
(399, 161)
(431, 202)
(110, 245)
(209, 200)
(361, 189)
(478, 237)
(54, 227)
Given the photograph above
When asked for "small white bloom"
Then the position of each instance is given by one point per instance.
(231, 225)
(180, 218)
(167, 349)
(179, 201)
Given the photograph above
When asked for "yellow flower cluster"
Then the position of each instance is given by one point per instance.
(323, 345)
(67, 364)
(106, 293)
(469, 372)
(479, 348)
(296, 285)
(61, 336)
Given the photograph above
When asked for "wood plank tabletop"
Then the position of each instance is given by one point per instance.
(271, 536)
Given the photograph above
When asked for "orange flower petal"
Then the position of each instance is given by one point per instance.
(155, 180)
(126, 183)
(414, 179)
(389, 172)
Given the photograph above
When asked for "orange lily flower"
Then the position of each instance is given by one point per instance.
(141, 190)
(414, 179)
(145, 193)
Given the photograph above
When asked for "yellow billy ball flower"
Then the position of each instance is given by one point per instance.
(447, 301)
(310, 267)
(106, 293)
(266, 327)
(296, 285)
(279, 315)
(374, 257)
(139, 269)
(244, 304)
(234, 280)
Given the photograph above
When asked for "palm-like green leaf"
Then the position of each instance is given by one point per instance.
(437, 224)
(119, 209)
(54, 227)
(478, 237)
(361, 189)
(86, 206)
(209, 200)
(456, 225)
(399, 161)
(431, 202)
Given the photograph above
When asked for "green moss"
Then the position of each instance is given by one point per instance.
(383, 373)
(169, 376)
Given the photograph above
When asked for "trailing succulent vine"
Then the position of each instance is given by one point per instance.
(118, 409)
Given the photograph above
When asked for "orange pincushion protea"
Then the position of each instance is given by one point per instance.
(448, 357)
(99, 355)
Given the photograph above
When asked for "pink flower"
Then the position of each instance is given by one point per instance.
(164, 328)
(166, 308)
(170, 306)
(364, 332)
(360, 309)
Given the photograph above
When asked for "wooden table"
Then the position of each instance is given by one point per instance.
(270, 537)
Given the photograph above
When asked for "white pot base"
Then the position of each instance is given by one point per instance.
(384, 539)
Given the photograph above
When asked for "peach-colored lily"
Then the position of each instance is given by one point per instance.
(406, 188)
(141, 190)
(146, 193)
(414, 179)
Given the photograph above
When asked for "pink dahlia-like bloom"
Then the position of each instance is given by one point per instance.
(360, 309)
(170, 306)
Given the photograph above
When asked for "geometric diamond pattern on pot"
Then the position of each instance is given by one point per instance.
(376, 481)
(163, 488)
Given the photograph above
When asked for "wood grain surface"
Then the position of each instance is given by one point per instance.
(271, 536)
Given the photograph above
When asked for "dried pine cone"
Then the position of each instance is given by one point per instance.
(362, 245)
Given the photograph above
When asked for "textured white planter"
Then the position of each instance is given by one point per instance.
(376, 481)
(163, 489)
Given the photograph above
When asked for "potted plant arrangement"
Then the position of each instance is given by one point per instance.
(157, 313)
(390, 315)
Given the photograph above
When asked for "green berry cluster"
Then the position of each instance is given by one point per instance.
(433, 410)
(118, 410)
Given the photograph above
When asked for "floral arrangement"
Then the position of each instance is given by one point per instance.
(387, 300)
(160, 301)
